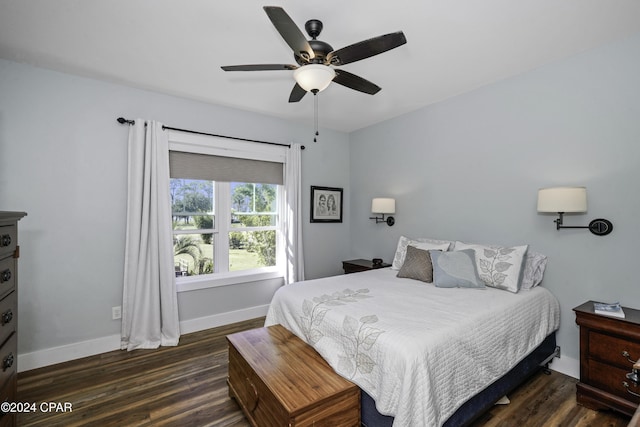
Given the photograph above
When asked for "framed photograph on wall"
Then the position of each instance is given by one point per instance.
(326, 204)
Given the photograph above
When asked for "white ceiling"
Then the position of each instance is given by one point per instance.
(177, 47)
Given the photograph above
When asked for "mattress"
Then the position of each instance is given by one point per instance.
(419, 351)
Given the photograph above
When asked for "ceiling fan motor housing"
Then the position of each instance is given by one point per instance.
(320, 49)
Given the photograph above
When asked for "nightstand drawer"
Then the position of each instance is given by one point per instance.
(611, 379)
(610, 349)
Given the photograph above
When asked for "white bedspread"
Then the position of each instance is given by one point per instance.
(418, 350)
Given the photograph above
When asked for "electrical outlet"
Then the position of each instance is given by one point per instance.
(116, 312)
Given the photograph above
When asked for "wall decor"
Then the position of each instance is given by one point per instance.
(326, 204)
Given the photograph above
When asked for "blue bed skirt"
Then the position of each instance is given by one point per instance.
(479, 403)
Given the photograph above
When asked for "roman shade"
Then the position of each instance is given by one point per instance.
(228, 169)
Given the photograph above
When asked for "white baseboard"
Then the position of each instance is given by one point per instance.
(202, 323)
(65, 353)
(566, 365)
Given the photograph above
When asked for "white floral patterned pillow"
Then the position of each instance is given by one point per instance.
(534, 266)
(498, 266)
(420, 243)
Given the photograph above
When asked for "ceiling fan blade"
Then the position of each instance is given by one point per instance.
(366, 48)
(297, 93)
(354, 82)
(289, 32)
(259, 67)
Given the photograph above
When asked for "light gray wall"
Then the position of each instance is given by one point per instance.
(465, 169)
(63, 160)
(469, 169)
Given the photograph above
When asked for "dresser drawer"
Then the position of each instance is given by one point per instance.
(7, 275)
(8, 359)
(8, 239)
(613, 350)
(8, 310)
(8, 394)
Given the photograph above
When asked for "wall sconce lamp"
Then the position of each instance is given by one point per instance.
(563, 200)
(383, 206)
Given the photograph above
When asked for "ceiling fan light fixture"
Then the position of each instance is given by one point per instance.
(314, 77)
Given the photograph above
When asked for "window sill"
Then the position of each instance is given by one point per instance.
(185, 284)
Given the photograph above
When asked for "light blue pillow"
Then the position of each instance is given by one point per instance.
(456, 269)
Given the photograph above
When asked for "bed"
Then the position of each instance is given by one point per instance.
(422, 355)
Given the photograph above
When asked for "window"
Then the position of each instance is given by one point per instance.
(193, 219)
(241, 234)
(225, 211)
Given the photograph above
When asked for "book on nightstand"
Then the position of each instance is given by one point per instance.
(614, 310)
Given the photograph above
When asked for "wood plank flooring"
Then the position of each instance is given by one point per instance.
(186, 386)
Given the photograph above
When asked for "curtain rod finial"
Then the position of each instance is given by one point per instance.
(122, 121)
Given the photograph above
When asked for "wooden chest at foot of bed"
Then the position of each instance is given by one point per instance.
(279, 380)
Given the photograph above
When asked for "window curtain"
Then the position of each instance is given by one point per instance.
(149, 303)
(292, 216)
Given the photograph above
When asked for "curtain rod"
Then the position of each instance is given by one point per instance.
(122, 121)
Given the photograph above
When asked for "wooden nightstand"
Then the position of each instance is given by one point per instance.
(356, 265)
(609, 346)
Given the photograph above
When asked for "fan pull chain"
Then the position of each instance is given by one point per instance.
(315, 115)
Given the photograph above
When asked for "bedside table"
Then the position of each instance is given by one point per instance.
(356, 265)
(609, 346)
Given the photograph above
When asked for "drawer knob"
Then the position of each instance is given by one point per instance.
(7, 362)
(633, 393)
(5, 276)
(6, 317)
(5, 240)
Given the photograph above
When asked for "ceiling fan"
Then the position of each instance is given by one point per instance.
(316, 59)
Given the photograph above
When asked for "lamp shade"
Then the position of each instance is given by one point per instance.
(562, 199)
(383, 206)
(314, 77)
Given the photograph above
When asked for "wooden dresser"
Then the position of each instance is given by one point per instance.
(9, 252)
(609, 346)
(280, 381)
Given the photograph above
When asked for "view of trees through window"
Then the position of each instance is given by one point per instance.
(244, 237)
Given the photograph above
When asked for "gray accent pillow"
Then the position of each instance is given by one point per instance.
(421, 243)
(455, 269)
(417, 265)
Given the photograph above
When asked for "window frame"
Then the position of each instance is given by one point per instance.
(206, 144)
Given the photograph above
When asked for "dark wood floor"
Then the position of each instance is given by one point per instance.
(185, 386)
